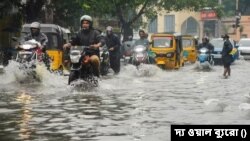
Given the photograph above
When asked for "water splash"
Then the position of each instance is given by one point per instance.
(214, 105)
(143, 70)
(203, 67)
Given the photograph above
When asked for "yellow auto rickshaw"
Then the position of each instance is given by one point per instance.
(57, 36)
(189, 44)
(168, 50)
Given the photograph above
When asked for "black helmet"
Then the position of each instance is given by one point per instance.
(141, 30)
(86, 18)
(205, 38)
(225, 36)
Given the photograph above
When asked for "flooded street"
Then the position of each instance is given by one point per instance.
(131, 106)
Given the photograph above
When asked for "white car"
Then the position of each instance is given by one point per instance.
(244, 48)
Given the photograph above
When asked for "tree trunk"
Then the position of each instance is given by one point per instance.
(126, 31)
(33, 10)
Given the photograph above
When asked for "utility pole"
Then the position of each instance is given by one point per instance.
(237, 5)
(219, 22)
(237, 20)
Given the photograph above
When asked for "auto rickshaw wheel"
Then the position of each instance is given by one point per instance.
(162, 67)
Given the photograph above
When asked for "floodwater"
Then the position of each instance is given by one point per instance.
(132, 106)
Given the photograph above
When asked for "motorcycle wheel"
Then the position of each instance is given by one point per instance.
(104, 69)
(72, 77)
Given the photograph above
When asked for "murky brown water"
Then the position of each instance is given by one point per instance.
(132, 106)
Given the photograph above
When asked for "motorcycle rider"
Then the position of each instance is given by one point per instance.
(88, 36)
(145, 42)
(37, 35)
(143, 39)
(113, 44)
(205, 43)
(40, 37)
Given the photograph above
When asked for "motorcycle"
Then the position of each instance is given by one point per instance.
(81, 69)
(205, 58)
(104, 59)
(29, 54)
(140, 55)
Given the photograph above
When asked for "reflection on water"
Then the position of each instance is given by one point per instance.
(25, 130)
(134, 105)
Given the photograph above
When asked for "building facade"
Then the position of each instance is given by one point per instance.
(202, 23)
(184, 22)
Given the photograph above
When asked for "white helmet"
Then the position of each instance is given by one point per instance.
(35, 25)
(109, 28)
(86, 18)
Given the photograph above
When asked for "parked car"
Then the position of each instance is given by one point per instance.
(244, 48)
(218, 46)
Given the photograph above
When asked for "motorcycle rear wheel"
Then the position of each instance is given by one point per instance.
(104, 69)
(72, 77)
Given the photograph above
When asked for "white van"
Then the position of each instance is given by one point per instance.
(244, 48)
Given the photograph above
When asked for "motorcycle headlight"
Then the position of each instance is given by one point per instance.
(138, 49)
(170, 55)
(26, 46)
(75, 58)
(203, 50)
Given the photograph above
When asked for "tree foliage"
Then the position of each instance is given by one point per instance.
(67, 13)
(229, 7)
(128, 12)
(244, 7)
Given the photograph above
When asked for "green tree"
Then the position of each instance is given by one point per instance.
(121, 9)
(229, 7)
(244, 7)
(67, 13)
(6, 6)
(30, 11)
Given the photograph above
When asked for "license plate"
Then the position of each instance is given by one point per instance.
(217, 55)
(139, 55)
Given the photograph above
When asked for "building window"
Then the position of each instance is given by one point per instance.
(152, 27)
(190, 26)
(169, 22)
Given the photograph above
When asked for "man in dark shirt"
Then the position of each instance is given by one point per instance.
(205, 43)
(88, 36)
(226, 57)
(37, 35)
(113, 44)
